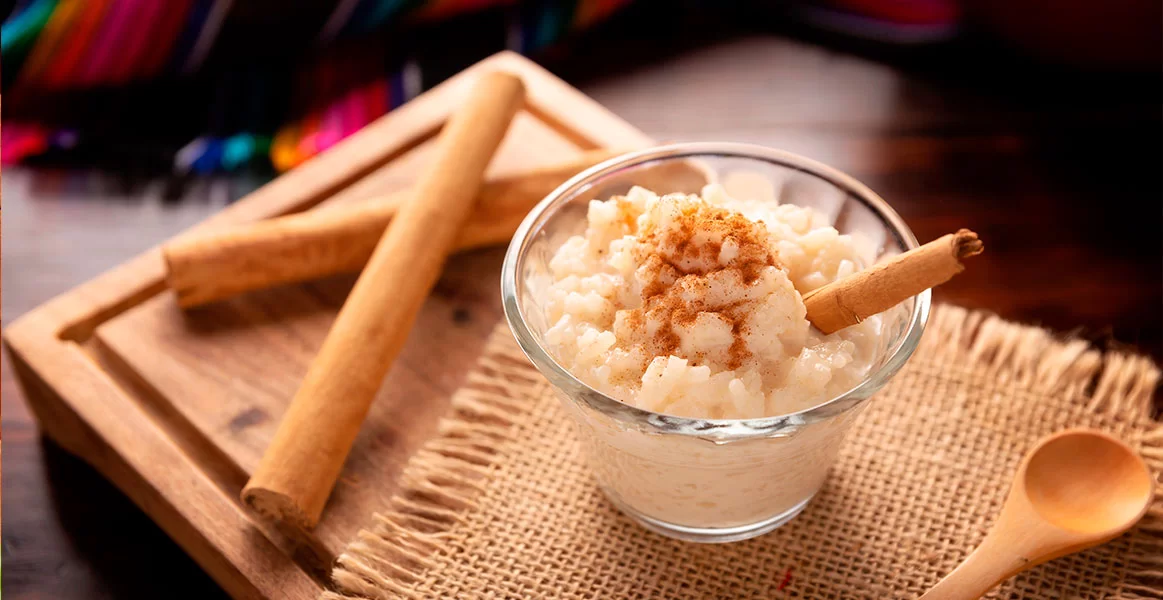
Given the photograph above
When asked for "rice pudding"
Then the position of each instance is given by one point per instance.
(673, 328)
(690, 305)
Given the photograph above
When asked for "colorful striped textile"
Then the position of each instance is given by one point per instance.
(269, 83)
(62, 47)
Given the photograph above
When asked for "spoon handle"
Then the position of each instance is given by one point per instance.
(989, 565)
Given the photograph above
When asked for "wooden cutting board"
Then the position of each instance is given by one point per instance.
(177, 407)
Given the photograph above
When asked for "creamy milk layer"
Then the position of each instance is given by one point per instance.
(690, 305)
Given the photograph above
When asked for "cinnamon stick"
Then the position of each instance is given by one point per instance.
(208, 267)
(295, 476)
(852, 299)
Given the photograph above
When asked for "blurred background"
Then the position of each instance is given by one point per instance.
(1034, 122)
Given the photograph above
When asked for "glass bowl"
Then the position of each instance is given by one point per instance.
(704, 479)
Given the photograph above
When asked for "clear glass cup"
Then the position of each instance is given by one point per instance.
(702, 479)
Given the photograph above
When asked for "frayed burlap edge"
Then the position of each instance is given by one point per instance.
(444, 479)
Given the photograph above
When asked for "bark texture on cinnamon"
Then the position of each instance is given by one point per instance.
(878, 288)
(219, 264)
(296, 474)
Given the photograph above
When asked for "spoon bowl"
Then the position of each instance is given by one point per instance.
(1074, 490)
(1087, 482)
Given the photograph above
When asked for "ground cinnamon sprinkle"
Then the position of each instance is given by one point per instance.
(677, 261)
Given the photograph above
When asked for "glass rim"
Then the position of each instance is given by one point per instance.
(716, 429)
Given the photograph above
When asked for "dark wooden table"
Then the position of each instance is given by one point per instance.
(1059, 173)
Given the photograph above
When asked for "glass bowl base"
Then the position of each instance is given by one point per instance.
(710, 535)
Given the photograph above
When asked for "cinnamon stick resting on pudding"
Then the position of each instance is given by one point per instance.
(878, 288)
(295, 476)
(212, 266)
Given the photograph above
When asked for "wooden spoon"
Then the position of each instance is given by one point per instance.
(1075, 489)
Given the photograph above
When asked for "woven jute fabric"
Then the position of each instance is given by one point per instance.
(501, 505)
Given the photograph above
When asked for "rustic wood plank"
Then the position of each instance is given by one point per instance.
(530, 143)
(129, 448)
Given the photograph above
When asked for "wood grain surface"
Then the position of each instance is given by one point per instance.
(286, 326)
(1058, 173)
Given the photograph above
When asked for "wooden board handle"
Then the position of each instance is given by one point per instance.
(296, 474)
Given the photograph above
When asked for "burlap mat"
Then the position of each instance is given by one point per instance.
(500, 505)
